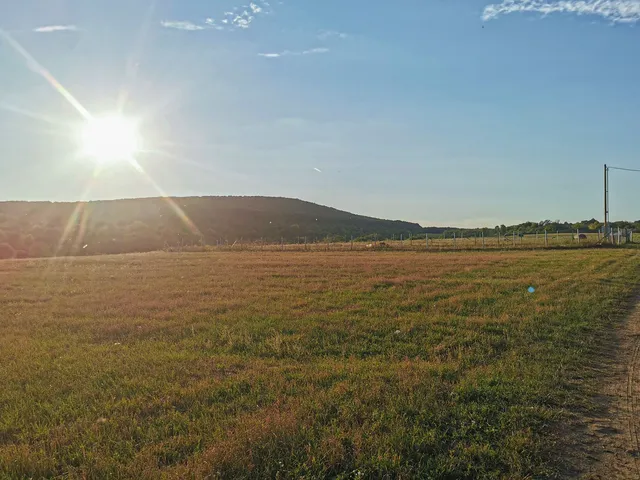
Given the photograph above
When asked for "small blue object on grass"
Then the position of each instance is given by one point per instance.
(531, 289)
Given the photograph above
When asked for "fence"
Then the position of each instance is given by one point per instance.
(437, 242)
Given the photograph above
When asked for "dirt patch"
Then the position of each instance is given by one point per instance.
(611, 445)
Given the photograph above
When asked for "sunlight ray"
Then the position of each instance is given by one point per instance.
(133, 61)
(174, 206)
(39, 69)
(73, 218)
(29, 114)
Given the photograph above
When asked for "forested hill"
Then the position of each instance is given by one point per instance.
(145, 224)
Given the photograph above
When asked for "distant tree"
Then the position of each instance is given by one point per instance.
(7, 251)
(595, 225)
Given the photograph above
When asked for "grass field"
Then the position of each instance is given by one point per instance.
(289, 365)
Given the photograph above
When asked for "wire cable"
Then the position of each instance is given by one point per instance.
(625, 169)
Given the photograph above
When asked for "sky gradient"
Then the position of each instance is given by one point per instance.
(445, 113)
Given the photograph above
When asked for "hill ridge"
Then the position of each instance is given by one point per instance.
(37, 228)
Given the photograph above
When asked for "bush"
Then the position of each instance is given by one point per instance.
(7, 251)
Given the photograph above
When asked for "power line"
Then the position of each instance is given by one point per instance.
(625, 169)
(606, 197)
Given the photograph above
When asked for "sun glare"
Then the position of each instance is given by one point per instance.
(110, 139)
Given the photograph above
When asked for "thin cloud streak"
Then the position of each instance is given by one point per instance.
(56, 28)
(315, 50)
(327, 34)
(289, 53)
(181, 25)
(615, 11)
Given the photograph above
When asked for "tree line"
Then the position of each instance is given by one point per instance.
(43, 229)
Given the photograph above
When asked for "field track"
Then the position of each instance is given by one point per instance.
(611, 449)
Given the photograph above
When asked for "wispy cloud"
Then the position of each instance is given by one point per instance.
(315, 50)
(56, 28)
(181, 25)
(616, 11)
(291, 53)
(240, 17)
(328, 34)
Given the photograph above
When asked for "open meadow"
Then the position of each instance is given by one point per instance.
(304, 364)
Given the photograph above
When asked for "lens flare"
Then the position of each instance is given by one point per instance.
(111, 138)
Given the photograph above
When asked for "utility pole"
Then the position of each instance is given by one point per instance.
(606, 201)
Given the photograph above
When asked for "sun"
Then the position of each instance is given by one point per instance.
(111, 138)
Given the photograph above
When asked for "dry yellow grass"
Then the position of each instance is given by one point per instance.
(282, 365)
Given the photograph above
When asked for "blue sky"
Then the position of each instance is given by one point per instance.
(441, 112)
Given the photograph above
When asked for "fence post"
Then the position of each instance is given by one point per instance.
(546, 242)
(351, 242)
(401, 240)
(483, 239)
(513, 238)
(426, 239)
(454, 240)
